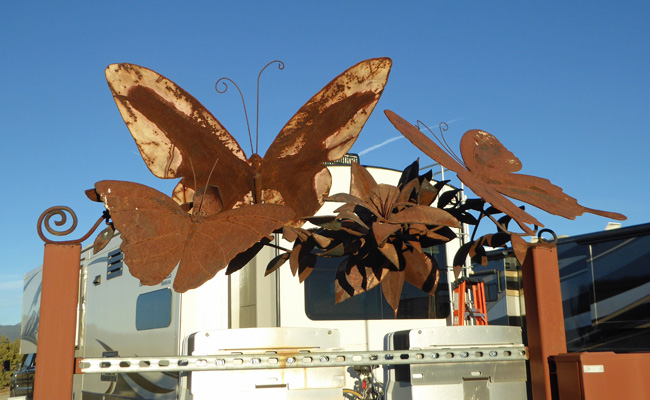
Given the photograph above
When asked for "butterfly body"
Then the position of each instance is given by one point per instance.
(179, 138)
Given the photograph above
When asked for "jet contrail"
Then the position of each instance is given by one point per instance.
(384, 143)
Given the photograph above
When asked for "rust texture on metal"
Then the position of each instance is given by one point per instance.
(383, 230)
(57, 322)
(179, 138)
(602, 375)
(544, 316)
(489, 170)
(157, 233)
(62, 213)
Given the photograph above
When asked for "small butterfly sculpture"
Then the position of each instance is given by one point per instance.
(489, 170)
(157, 233)
(179, 138)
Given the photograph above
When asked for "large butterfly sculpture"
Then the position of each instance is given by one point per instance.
(157, 233)
(179, 138)
(489, 170)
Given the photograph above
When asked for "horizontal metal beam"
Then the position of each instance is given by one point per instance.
(298, 359)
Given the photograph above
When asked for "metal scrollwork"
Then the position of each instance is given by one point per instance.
(62, 213)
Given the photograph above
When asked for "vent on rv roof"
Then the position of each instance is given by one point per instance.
(114, 265)
(347, 159)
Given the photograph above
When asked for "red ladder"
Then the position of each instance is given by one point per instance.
(469, 304)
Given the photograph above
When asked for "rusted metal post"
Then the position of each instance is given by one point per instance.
(544, 316)
(57, 324)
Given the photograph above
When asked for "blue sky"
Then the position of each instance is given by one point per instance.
(563, 85)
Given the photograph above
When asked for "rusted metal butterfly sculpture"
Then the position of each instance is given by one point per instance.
(157, 233)
(179, 138)
(489, 169)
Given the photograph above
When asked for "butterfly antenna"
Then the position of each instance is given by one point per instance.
(193, 173)
(257, 120)
(443, 127)
(225, 88)
(208, 182)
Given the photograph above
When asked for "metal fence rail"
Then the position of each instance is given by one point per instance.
(301, 359)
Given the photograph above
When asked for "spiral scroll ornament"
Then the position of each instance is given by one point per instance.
(63, 213)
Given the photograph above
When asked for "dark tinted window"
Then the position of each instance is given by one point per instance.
(577, 290)
(414, 303)
(153, 310)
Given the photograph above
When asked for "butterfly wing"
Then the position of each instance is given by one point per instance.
(542, 194)
(217, 239)
(177, 136)
(486, 157)
(483, 154)
(154, 228)
(324, 129)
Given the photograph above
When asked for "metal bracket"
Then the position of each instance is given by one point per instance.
(301, 359)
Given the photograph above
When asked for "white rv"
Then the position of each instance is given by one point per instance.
(119, 317)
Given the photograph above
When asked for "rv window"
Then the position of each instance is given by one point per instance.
(153, 310)
(414, 303)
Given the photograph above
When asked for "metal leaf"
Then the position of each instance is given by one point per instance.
(361, 182)
(520, 248)
(476, 205)
(461, 254)
(321, 241)
(353, 217)
(409, 174)
(424, 215)
(290, 234)
(427, 193)
(389, 251)
(499, 239)
(409, 192)
(350, 199)
(276, 263)
(328, 222)
(391, 287)
(245, 257)
(421, 271)
(440, 235)
(307, 264)
(384, 197)
(301, 256)
(382, 231)
(446, 197)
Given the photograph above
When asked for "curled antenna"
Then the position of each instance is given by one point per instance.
(225, 85)
(257, 121)
(443, 127)
(193, 173)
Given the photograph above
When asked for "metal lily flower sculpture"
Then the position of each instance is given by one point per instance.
(383, 232)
